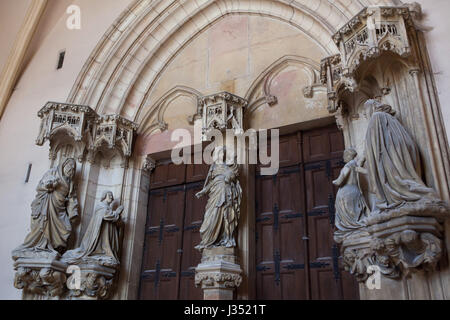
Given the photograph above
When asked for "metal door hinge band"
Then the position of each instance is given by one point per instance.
(294, 267)
(276, 213)
(187, 274)
(292, 216)
(262, 268)
(318, 265)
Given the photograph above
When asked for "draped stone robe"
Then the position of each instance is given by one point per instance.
(55, 204)
(223, 207)
(350, 204)
(100, 243)
(393, 164)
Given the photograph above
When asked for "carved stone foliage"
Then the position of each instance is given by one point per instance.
(96, 282)
(149, 164)
(218, 279)
(398, 247)
(218, 274)
(373, 31)
(45, 279)
(222, 111)
(80, 126)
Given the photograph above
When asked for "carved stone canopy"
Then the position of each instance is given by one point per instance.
(371, 32)
(84, 129)
(113, 131)
(222, 111)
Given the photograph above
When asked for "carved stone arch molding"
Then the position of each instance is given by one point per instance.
(138, 58)
(119, 77)
(154, 118)
(259, 92)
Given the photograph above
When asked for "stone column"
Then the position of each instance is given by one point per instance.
(219, 273)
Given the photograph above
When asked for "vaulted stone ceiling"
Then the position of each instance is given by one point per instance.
(122, 70)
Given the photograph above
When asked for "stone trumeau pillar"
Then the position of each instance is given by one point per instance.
(219, 273)
(391, 206)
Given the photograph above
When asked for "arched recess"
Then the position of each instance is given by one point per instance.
(124, 66)
(154, 117)
(122, 71)
(390, 78)
(260, 91)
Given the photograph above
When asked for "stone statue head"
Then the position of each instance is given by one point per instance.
(371, 106)
(219, 154)
(349, 155)
(108, 197)
(69, 168)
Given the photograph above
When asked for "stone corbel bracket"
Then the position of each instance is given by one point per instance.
(218, 274)
(149, 164)
(398, 247)
(222, 111)
(41, 274)
(366, 36)
(96, 282)
(64, 124)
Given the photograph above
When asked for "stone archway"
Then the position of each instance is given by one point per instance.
(122, 71)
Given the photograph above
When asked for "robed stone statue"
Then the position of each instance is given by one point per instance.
(223, 207)
(53, 208)
(393, 161)
(100, 243)
(351, 207)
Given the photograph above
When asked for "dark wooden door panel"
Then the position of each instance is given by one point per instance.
(166, 175)
(324, 284)
(267, 285)
(196, 173)
(173, 230)
(163, 238)
(322, 144)
(290, 151)
(279, 224)
(296, 256)
(191, 257)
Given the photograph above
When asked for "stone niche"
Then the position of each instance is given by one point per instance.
(102, 145)
(381, 63)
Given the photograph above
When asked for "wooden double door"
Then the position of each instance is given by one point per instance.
(172, 231)
(296, 257)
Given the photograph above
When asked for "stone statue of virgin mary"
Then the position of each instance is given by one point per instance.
(223, 206)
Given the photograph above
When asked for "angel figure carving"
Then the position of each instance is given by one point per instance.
(351, 207)
(223, 207)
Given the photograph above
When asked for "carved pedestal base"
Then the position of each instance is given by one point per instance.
(397, 248)
(219, 273)
(42, 275)
(95, 282)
